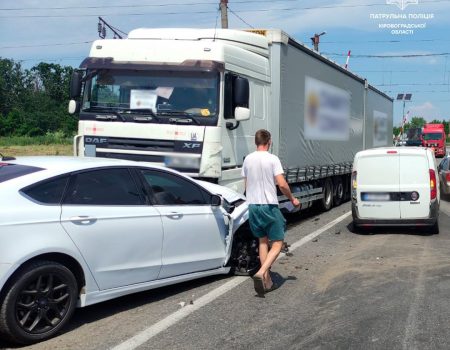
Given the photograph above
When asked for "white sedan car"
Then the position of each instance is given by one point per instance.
(78, 231)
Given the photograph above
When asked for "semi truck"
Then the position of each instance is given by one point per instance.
(414, 137)
(192, 100)
(434, 137)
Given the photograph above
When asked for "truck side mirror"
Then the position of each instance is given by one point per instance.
(241, 114)
(75, 85)
(241, 92)
(74, 107)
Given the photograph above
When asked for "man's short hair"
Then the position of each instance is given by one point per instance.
(262, 137)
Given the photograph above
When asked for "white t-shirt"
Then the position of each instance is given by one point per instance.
(260, 169)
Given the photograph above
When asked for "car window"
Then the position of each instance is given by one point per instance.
(103, 187)
(444, 164)
(169, 189)
(48, 192)
(10, 171)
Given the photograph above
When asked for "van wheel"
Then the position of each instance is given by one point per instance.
(434, 230)
(327, 191)
(339, 192)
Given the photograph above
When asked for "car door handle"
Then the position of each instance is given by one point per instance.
(174, 215)
(82, 220)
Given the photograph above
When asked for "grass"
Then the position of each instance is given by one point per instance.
(37, 150)
(51, 144)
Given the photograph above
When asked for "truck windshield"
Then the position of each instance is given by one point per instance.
(432, 136)
(168, 96)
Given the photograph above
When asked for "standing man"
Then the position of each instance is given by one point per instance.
(262, 172)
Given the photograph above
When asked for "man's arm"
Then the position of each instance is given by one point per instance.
(284, 188)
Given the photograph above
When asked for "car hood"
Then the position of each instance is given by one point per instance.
(230, 195)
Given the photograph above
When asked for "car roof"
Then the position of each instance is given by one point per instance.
(399, 150)
(57, 165)
(67, 163)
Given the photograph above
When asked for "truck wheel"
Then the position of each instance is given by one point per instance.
(327, 191)
(339, 191)
(39, 301)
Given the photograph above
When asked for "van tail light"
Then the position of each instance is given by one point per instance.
(447, 178)
(354, 184)
(433, 189)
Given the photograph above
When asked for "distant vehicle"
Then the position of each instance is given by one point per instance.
(444, 176)
(414, 137)
(434, 137)
(78, 231)
(395, 187)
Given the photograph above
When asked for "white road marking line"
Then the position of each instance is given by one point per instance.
(147, 334)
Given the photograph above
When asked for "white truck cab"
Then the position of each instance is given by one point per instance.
(395, 187)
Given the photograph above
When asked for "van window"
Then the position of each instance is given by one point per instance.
(414, 170)
(378, 170)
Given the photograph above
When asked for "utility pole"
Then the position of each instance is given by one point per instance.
(224, 13)
(101, 27)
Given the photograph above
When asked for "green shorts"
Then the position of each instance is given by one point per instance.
(267, 220)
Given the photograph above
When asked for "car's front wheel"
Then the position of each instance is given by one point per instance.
(39, 301)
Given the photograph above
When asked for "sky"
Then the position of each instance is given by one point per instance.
(400, 46)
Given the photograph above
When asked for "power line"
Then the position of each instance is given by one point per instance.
(44, 45)
(382, 41)
(212, 12)
(234, 13)
(137, 5)
(190, 4)
(52, 59)
(414, 84)
(390, 56)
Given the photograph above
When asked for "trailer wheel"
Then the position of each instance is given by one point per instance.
(339, 191)
(327, 191)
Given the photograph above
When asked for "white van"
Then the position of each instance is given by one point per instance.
(395, 187)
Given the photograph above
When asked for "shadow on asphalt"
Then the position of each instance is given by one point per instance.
(108, 308)
(365, 231)
(279, 279)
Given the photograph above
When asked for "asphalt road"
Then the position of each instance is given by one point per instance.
(386, 289)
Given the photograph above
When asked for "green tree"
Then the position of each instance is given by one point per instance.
(34, 102)
(416, 122)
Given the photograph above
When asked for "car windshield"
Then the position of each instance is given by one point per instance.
(170, 96)
(413, 134)
(432, 136)
(10, 171)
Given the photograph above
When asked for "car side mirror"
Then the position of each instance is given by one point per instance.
(216, 200)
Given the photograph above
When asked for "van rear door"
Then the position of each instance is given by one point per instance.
(414, 179)
(378, 176)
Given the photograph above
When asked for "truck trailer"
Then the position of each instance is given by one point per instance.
(192, 100)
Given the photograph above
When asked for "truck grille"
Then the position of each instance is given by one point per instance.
(132, 144)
